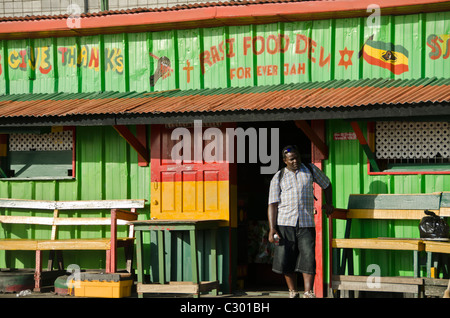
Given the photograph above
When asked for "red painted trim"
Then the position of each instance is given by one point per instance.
(141, 135)
(134, 142)
(318, 126)
(113, 242)
(173, 172)
(239, 14)
(74, 148)
(359, 133)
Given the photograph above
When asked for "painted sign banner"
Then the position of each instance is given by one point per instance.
(233, 56)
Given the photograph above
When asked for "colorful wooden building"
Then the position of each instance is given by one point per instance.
(88, 106)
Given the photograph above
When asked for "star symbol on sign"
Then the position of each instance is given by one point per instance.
(343, 61)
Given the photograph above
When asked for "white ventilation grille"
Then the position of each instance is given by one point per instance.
(412, 140)
(55, 141)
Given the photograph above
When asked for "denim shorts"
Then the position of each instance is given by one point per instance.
(296, 250)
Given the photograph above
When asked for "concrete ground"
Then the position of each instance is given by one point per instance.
(251, 294)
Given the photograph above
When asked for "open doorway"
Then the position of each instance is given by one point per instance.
(254, 251)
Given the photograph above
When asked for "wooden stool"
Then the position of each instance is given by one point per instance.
(196, 286)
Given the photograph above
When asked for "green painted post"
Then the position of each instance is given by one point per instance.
(140, 264)
(161, 260)
(193, 242)
(214, 258)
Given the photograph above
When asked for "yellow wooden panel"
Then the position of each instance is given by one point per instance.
(190, 195)
(18, 244)
(387, 214)
(195, 200)
(168, 196)
(379, 244)
(74, 244)
(437, 247)
(445, 212)
(212, 195)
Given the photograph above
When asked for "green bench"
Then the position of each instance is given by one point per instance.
(390, 207)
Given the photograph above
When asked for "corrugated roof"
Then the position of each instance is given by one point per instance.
(176, 7)
(330, 94)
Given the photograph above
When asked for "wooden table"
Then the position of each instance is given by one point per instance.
(194, 287)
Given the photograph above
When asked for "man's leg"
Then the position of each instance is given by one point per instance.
(308, 281)
(307, 263)
(291, 281)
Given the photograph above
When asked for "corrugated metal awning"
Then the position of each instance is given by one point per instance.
(336, 96)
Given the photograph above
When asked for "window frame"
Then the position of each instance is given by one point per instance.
(371, 142)
(49, 178)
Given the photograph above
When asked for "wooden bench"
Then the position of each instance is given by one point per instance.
(379, 207)
(10, 208)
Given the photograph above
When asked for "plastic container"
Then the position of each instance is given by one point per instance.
(101, 285)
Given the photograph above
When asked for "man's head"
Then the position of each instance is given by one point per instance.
(291, 157)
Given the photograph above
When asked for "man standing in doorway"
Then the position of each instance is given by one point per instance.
(291, 218)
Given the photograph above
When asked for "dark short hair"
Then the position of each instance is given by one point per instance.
(288, 149)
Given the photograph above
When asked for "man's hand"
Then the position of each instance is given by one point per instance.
(328, 208)
(272, 212)
(272, 232)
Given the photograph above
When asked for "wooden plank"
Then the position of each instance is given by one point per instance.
(82, 221)
(385, 287)
(168, 288)
(385, 279)
(15, 219)
(387, 214)
(100, 204)
(395, 201)
(435, 291)
(72, 205)
(445, 200)
(339, 214)
(437, 247)
(18, 244)
(74, 244)
(125, 215)
(178, 287)
(379, 244)
(27, 204)
(311, 134)
(38, 220)
(54, 226)
(444, 211)
(436, 282)
(134, 142)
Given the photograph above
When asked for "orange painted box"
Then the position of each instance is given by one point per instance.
(101, 285)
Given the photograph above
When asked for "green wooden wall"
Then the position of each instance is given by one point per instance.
(347, 169)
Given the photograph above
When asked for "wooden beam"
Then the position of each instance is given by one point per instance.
(379, 244)
(311, 134)
(72, 205)
(362, 141)
(141, 134)
(134, 142)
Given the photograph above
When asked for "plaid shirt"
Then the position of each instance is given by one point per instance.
(294, 195)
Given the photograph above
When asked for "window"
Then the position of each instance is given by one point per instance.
(409, 146)
(41, 153)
